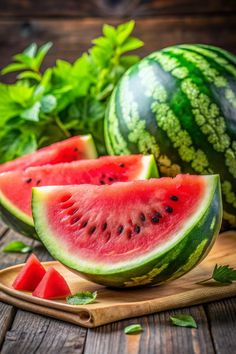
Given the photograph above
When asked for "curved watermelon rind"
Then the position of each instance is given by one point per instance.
(14, 222)
(149, 169)
(91, 151)
(194, 240)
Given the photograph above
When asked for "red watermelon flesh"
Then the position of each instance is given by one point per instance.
(52, 286)
(30, 275)
(76, 148)
(16, 186)
(122, 221)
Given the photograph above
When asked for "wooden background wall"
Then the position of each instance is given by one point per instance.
(71, 24)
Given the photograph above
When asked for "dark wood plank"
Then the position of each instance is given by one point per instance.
(72, 37)
(159, 336)
(101, 8)
(7, 315)
(32, 333)
(222, 321)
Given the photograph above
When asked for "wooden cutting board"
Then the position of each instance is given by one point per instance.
(113, 305)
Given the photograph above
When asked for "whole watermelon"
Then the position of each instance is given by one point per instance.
(179, 104)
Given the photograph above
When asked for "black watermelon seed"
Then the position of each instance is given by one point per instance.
(84, 224)
(155, 219)
(104, 226)
(122, 165)
(38, 181)
(174, 198)
(91, 231)
(137, 229)
(102, 182)
(142, 217)
(28, 180)
(111, 179)
(74, 220)
(76, 149)
(169, 209)
(120, 229)
(158, 215)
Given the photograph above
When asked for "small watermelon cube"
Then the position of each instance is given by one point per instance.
(30, 275)
(52, 286)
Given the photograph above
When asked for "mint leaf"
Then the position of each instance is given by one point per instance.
(82, 298)
(222, 274)
(13, 67)
(31, 50)
(131, 44)
(133, 329)
(183, 321)
(124, 30)
(48, 103)
(32, 113)
(17, 246)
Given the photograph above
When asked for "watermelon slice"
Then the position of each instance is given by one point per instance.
(76, 148)
(52, 286)
(16, 186)
(30, 275)
(130, 234)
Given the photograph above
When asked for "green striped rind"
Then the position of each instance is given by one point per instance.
(16, 223)
(186, 248)
(180, 105)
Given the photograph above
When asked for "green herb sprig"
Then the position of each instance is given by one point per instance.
(66, 99)
(82, 298)
(221, 274)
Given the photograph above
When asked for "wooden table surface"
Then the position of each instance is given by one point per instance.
(23, 332)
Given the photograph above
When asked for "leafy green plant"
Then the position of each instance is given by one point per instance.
(67, 99)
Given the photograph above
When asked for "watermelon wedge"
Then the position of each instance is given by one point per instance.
(76, 148)
(16, 186)
(52, 286)
(30, 275)
(130, 234)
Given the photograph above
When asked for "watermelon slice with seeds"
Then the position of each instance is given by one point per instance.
(16, 186)
(130, 234)
(30, 275)
(76, 148)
